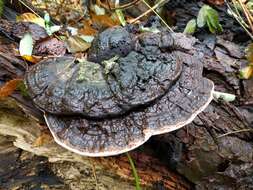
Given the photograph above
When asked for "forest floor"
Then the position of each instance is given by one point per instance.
(215, 151)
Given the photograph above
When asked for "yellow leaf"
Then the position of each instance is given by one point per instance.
(30, 17)
(32, 58)
(9, 87)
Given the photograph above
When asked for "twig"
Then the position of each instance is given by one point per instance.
(246, 14)
(21, 1)
(125, 6)
(234, 132)
(108, 6)
(150, 10)
(237, 16)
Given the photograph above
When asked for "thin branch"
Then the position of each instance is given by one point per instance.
(150, 10)
(234, 132)
(21, 1)
(108, 6)
(238, 18)
(246, 14)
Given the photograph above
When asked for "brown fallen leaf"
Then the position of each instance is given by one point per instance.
(9, 87)
(103, 21)
(77, 44)
(87, 28)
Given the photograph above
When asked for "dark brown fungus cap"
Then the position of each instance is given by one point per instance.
(175, 100)
(67, 87)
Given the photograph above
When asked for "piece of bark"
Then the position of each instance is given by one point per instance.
(20, 169)
(215, 151)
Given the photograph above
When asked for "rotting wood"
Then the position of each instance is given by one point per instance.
(25, 131)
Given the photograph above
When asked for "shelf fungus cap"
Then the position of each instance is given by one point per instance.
(185, 95)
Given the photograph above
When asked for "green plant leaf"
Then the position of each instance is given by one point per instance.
(121, 17)
(23, 89)
(201, 19)
(26, 45)
(224, 96)
(190, 27)
(47, 18)
(213, 20)
(52, 29)
(1, 7)
(210, 27)
(136, 177)
(209, 16)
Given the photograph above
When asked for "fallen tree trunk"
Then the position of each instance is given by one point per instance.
(111, 173)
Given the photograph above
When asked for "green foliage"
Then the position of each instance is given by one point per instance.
(190, 27)
(23, 89)
(49, 25)
(121, 17)
(1, 7)
(209, 17)
(136, 177)
(224, 96)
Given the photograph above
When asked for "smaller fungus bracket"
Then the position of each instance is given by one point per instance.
(111, 42)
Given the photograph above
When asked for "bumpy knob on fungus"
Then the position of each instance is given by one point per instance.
(115, 104)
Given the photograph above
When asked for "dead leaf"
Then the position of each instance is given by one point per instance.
(103, 21)
(32, 58)
(87, 29)
(9, 87)
(77, 44)
(30, 17)
(249, 53)
(246, 72)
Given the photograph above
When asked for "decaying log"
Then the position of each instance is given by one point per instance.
(111, 173)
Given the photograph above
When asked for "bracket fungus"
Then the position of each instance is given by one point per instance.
(132, 87)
